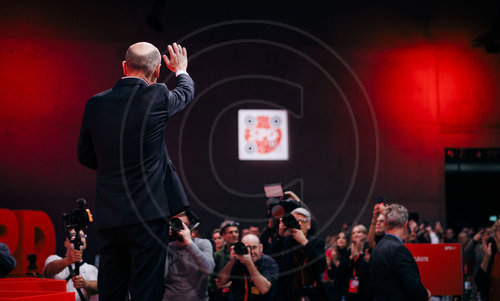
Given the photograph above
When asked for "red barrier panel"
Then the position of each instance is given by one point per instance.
(440, 267)
(35, 296)
(32, 284)
(28, 289)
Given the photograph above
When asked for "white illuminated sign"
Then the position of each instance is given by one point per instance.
(263, 135)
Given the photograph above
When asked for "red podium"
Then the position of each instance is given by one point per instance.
(31, 289)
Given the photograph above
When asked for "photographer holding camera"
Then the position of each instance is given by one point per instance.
(300, 257)
(64, 269)
(189, 263)
(231, 234)
(253, 273)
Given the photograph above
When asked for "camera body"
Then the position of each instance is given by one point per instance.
(290, 222)
(240, 248)
(277, 208)
(176, 225)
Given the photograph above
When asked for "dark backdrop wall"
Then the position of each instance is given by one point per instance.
(375, 93)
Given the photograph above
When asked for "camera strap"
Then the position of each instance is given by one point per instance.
(246, 287)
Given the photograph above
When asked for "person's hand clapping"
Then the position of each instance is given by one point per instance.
(178, 60)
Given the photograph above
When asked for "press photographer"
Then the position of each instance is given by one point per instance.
(300, 257)
(80, 277)
(189, 262)
(253, 274)
(278, 205)
(231, 234)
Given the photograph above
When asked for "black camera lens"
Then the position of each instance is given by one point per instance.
(290, 222)
(176, 225)
(240, 248)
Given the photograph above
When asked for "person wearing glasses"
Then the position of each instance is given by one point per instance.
(253, 275)
(301, 260)
(60, 268)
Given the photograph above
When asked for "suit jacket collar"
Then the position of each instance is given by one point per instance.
(131, 81)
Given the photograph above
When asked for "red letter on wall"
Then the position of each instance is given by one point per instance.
(27, 232)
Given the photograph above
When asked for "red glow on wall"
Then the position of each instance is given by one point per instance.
(45, 84)
(427, 90)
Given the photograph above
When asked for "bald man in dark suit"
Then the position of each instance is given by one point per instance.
(123, 138)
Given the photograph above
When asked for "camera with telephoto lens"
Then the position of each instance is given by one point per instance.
(290, 222)
(240, 248)
(277, 208)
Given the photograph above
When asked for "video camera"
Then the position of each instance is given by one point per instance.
(78, 219)
(280, 206)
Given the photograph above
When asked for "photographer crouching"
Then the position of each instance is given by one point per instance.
(300, 257)
(189, 262)
(253, 273)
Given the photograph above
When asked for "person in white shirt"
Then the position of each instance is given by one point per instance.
(64, 269)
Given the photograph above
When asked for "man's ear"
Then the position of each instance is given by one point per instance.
(124, 66)
(157, 71)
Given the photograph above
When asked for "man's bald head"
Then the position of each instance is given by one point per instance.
(253, 244)
(143, 57)
(250, 239)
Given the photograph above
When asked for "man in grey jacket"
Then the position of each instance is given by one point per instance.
(189, 264)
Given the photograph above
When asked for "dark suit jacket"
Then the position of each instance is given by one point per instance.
(123, 138)
(394, 273)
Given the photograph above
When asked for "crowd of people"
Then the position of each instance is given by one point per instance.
(341, 266)
(285, 261)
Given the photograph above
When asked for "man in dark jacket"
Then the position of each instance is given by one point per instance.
(123, 138)
(300, 259)
(394, 273)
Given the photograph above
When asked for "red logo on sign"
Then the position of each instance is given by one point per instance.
(266, 134)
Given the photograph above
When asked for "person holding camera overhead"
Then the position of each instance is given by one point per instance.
(253, 274)
(189, 263)
(64, 269)
(300, 257)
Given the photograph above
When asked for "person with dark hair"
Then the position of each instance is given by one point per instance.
(335, 271)
(230, 234)
(394, 273)
(123, 137)
(353, 267)
(7, 261)
(189, 265)
(217, 240)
